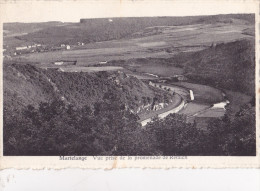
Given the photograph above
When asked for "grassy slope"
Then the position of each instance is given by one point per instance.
(14, 30)
(23, 85)
(94, 30)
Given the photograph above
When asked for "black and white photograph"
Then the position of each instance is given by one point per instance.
(130, 86)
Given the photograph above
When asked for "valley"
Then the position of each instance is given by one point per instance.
(135, 90)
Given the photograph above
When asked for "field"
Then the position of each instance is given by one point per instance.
(158, 69)
(213, 112)
(90, 69)
(164, 44)
(193, 108)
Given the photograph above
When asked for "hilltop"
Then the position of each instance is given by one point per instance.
(104, 29)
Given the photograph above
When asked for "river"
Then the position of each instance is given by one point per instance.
(188, 106)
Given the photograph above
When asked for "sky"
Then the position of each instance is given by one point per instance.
(74, 10)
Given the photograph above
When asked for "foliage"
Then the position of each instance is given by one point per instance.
(233, 135)
(111, 129)
(230, 66)
(57, 129)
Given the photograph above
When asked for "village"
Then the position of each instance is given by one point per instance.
(30, 48)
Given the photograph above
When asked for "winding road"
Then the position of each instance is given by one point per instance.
(182, 106)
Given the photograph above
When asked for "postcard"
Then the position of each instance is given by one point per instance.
(123, 84)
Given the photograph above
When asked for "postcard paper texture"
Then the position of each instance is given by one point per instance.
(119, 84)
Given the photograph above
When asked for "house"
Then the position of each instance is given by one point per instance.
(65, 62)
(68, 47)
(21, 48)
(58, 63)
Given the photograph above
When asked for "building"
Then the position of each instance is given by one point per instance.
(65, 62)
(21, 48)
(58, 63)
(68, 47)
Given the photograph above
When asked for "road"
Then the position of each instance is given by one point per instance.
(180, 105)
(174, 107)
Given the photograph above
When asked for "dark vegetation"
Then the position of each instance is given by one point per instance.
(229, 66)
(110, 129)
(25, 84)
(94, 30)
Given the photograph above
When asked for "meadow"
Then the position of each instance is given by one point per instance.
(164, 44)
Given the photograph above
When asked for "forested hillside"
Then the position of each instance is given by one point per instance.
(230, 66)
(25, 84)
(47, 112)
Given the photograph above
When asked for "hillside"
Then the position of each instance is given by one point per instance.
(20, 28)
(227, 65)
(103, 29)
(25, 84)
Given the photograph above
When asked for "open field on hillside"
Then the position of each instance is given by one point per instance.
(158, 69)
(203, 93)
(90, 69)
(170, 41)
(213, 112)
(192, 108)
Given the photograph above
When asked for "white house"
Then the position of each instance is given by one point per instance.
(68, 47)
(58, 63)
(21, 48)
